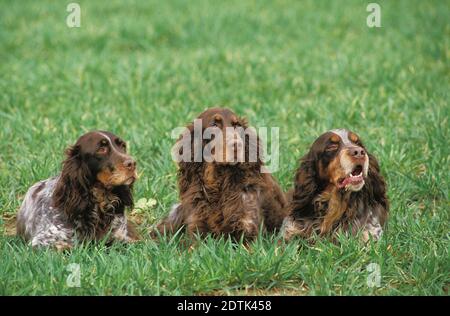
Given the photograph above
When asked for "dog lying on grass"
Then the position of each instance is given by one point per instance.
(222, 189)
(338, 187)
(87, 200)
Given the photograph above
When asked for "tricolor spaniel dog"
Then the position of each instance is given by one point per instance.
(87, 200)
(221, 186)
(338, 187)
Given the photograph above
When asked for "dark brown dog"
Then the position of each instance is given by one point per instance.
(223, 191)
(338, 187)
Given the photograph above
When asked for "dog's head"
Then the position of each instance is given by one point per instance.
(341, 159)
(218, 136)
(338, 159)
(105, 156)
(97, 158)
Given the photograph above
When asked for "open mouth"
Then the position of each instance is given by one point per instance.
(354, 178)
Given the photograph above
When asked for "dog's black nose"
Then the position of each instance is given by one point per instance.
(130, 164)
(357, 152)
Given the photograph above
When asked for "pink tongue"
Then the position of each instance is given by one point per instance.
(351, 180)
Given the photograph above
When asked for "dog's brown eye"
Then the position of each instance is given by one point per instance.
(120, 143)
(103, 147)
(102, 150)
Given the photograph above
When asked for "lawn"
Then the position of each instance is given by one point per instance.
(143, 68)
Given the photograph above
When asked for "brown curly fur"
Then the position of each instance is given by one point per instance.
(225, 199)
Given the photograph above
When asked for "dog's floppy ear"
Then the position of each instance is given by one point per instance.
(188, 170)
(253, 150)
(305, 187)
(243, 122)
(125, 194)
(376, 186)
(185, 140)
(71, 194)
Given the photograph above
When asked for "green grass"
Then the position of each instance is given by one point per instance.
(142, 69)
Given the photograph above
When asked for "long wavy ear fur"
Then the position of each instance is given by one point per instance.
(125, 194)
(252, 148)
(188, 170)
(306, 187)
(376, 187)
(72, 193)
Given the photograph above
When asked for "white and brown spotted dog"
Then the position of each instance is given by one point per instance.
(87, 200)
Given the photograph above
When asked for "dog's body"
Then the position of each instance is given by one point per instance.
(87, 201)
(223, 197)
(230, 206)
